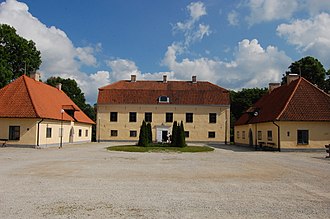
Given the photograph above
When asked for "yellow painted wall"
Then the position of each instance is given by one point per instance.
(27, 130)
(198, 130)
(29, 127)
(319, 134)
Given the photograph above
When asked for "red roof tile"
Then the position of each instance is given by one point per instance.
(148, 92)
(27, 98)
(298, 101)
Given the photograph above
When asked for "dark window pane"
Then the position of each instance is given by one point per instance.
(189, 117)
(303, 137)
(132, 133)
(113, 116)
(212, 118)
(132, 117)
(211, 134)
(114, 132)
(169, 117)
(148, 117)
(48, 132)
(14, 132)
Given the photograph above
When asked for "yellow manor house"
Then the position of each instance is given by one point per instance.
(204, 109)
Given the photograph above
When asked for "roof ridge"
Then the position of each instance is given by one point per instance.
(290, 98)
(319, 89)
(29, 93)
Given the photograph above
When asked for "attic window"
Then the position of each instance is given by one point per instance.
(163, 99)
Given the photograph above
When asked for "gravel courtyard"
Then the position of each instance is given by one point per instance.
(87, 181)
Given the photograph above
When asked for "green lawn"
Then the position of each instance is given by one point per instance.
(131, 148)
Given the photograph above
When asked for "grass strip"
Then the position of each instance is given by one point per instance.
(187, 149)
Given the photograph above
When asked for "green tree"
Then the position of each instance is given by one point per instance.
(18, 55)
(310, 68)
(143, 136)
(149, 133)
(240, 102)
(174, 134)
(182, 137)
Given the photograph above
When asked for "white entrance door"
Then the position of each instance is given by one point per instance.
(162, 132)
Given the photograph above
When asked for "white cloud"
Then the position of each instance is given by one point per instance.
(310, 36)
(233, 18)
(253, 66)
(314, 7)
(122, 69)
(58, 54)
(197, 10)
(192, 31)
(268, 10)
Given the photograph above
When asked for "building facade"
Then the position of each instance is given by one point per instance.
(35, 114)
(204, 109)
(295, 115)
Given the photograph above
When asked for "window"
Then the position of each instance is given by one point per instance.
(14, 132)
(288, 134)
(132, 133)
(113, 116)
(212, 118)
(169, 117)
(269, 135)
(303, 137)
(114, 133)
(259, 135)
(132, 116)
(48, 132)
(189, 117)
(164, 99)
(80, 132)
(186, 134)
(243, 134)
(148, 117)
(237, 134)
(211, 134)
(86, 133)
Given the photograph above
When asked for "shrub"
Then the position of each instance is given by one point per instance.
(143, 136)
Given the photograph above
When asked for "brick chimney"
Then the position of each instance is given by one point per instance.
(164, 78)
(35, 76)
(273, 86)
(133, 78)
(194, 79)
(291, 77)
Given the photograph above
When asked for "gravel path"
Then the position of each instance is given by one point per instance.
(86, 181)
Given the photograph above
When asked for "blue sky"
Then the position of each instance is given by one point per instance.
(235, 44)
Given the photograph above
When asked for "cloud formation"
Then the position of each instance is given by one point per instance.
(58, 54)
(269, 10)
(193, 32)
(310, 36)
(252, 66)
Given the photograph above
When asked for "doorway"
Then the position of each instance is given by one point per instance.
(164, 136)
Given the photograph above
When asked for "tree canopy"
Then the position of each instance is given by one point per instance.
(311, 69)
(18, 55)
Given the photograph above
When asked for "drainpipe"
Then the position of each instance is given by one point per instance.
(38, 131)
(278, 136)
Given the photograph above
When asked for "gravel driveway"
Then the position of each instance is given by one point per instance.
(87, 181)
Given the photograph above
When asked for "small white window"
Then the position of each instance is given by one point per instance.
(164, 99)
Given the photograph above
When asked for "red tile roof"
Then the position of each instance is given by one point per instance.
(27, 98)
(148, 92)
(298, 101)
